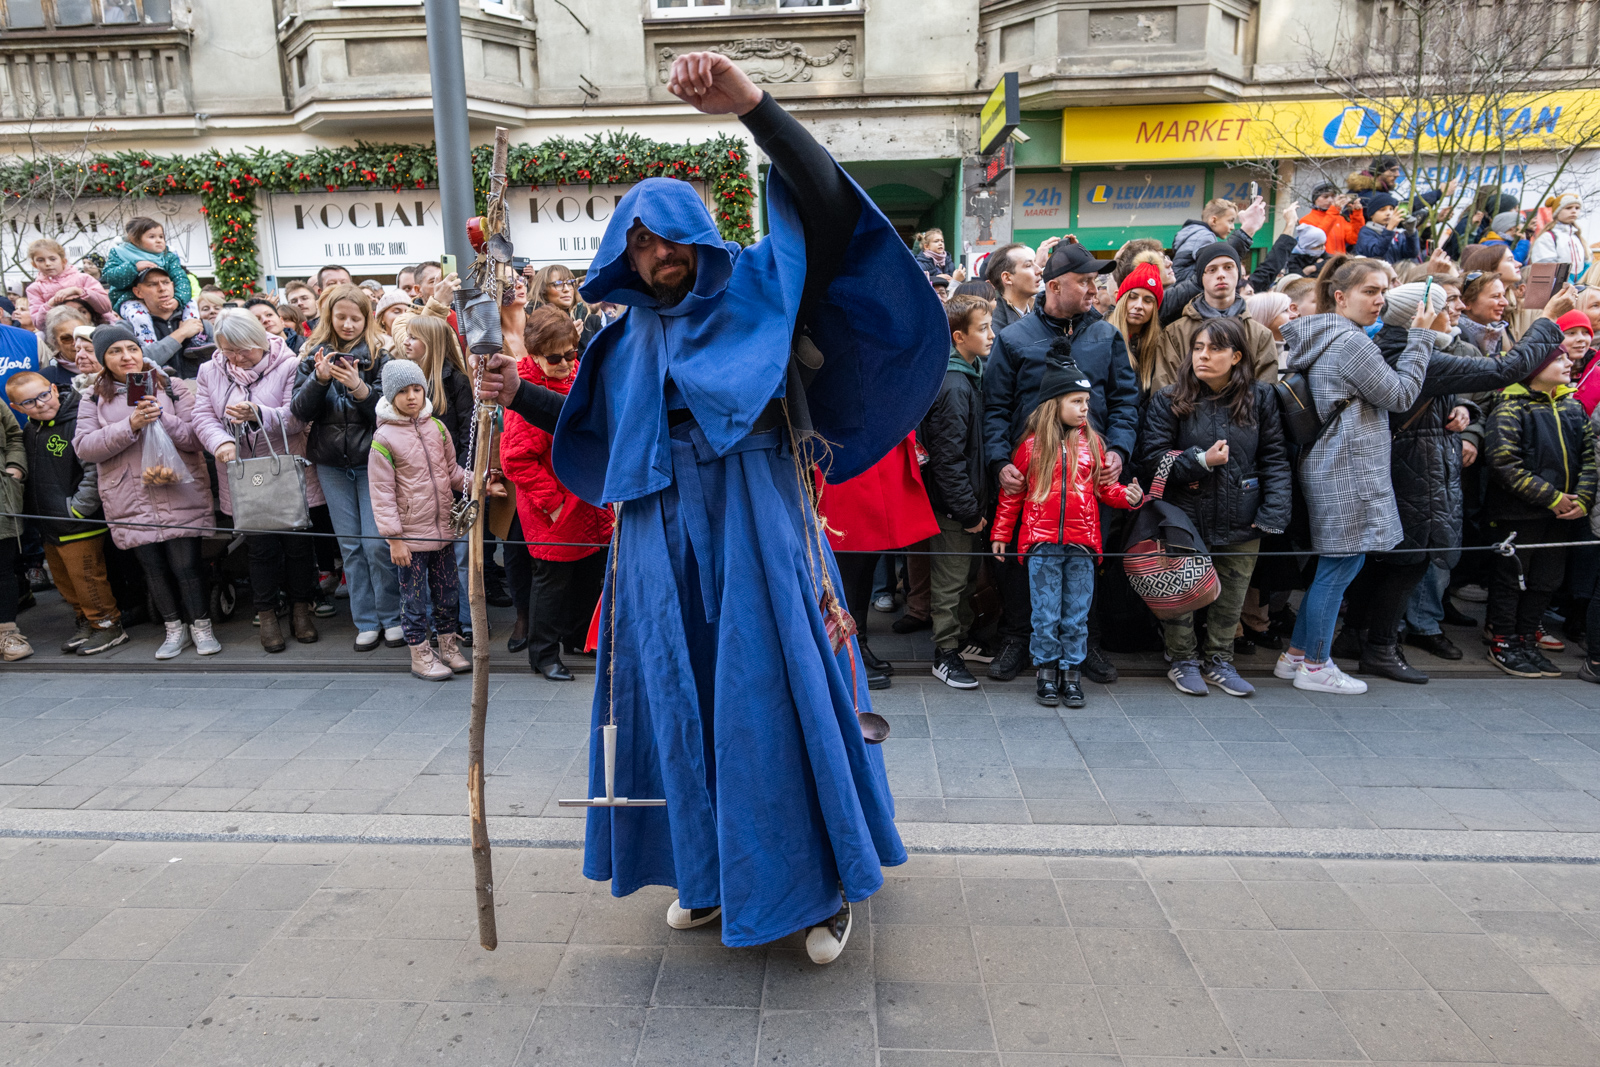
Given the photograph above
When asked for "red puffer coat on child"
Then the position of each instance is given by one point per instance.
(525, 458)
(1068, 516)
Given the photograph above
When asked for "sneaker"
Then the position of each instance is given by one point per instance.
(884, 602)
(1287, 666)
(1071, 687)
(1472, 594)
(950, 669)
(682, 918)
(1549, 643)
(81, 633)
(1588, 671)
(825, 942)
(367, 640)
(1097, 668)
(1007, 663)
(1244, 645)
(343, 592)
(177, 640)
(978, 653)
(324, 608)
(39, 580)
(1509, 655)
(1530, 648)
(205, 642)
(328, 582)
(13, 646)
(103, 638)
(1185, 674)
(1044, 687)
(1221, 673)
(394, 637)
(1328, 678)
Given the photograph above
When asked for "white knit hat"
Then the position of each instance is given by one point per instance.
(1400, 303)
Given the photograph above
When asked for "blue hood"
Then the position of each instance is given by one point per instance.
(726, 345)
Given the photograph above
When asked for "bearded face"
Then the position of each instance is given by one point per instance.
(666, 267)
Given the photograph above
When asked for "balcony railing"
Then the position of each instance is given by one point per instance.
(128, 78)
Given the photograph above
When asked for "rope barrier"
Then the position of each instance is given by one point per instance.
(1506, 547)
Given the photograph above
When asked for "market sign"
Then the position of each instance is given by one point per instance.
(1149, 133)
(1127, 198)
(95, 225)
(374, 231)
(565, 223)
(1001, 114)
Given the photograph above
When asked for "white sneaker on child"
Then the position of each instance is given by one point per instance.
(177, 640)
(1328, 678)
(1286, 666)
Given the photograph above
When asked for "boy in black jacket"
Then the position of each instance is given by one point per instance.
(68, 490)
(952, 436)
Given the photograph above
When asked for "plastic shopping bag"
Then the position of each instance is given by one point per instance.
(163, 463)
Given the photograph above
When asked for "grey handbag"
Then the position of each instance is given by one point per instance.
(269, 492)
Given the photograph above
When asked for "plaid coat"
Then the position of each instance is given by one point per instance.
(1345, 475)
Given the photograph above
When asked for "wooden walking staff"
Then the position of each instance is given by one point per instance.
(490, 276)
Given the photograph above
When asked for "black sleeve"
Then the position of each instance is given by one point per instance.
(828, 207)
(1176, 298)
(541, 407)
(1272, 264)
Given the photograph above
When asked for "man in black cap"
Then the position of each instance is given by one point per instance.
(171, 334)
(1218, 269)
(1010, 393)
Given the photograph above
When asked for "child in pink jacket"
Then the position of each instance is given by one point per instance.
(412, 475)
(57, 283)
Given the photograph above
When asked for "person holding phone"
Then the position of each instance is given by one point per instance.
(336, 392)
(160, 515)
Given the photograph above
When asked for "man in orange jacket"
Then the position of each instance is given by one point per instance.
(1338, 215)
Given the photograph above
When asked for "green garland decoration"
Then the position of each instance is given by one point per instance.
(227, 182)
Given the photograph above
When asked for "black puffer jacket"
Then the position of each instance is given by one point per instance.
(1244, 499)
(952, 435)
(1424, 457)
(341, 426)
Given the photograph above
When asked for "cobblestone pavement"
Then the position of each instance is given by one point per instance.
(135, 953)
(1456, 755)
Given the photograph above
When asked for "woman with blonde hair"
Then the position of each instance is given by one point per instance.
(557, 286)
(1136, 316)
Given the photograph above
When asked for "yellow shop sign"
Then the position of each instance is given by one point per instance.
(1150, 133)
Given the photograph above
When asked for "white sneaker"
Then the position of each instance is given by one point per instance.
(394, 637)
(177, 640)
(1286, 666)
(681, 918)
(825, 942)
(1328, 679)
(205, 642)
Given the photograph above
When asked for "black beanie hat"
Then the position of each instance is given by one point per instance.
(1212, 251)
(106, 336)
(1061, 377)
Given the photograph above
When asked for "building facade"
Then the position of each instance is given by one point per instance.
(892, 87)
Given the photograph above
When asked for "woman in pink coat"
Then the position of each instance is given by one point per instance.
(242, 411)
(157, 509)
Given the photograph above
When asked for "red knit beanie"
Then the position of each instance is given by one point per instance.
(1144, 276)
(1575, 320)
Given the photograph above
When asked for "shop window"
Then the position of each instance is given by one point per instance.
(78, 14)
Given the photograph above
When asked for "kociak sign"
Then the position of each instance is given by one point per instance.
(565, 223)
(362, 230)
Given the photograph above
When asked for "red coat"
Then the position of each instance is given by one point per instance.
(1342, 232)
(1068, 516)
(525, 458)
(882, 509)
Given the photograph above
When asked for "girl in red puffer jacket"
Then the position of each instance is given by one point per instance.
(1060, 458)
(566, 576)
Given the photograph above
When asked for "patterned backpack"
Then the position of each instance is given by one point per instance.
(1168, 565)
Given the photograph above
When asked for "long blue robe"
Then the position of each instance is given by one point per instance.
(729, 700)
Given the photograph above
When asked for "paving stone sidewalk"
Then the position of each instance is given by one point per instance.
(203, 954)
(1480, 755)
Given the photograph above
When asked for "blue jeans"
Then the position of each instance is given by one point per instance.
(374, 585)
(1061, 578)
(1425, 611)
(1319, 612)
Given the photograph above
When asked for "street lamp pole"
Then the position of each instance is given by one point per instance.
(450, 124)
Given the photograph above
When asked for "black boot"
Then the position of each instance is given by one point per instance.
(1435, 644)
(880, 666)
(1385, 659)
(1006, 665)
(1044, 690)
(1097, 668)
(1071, 689)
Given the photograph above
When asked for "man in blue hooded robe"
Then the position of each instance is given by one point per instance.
(729, 699)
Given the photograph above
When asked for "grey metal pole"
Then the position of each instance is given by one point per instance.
(450, 124)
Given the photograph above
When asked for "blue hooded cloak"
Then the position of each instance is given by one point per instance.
(729, 700)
